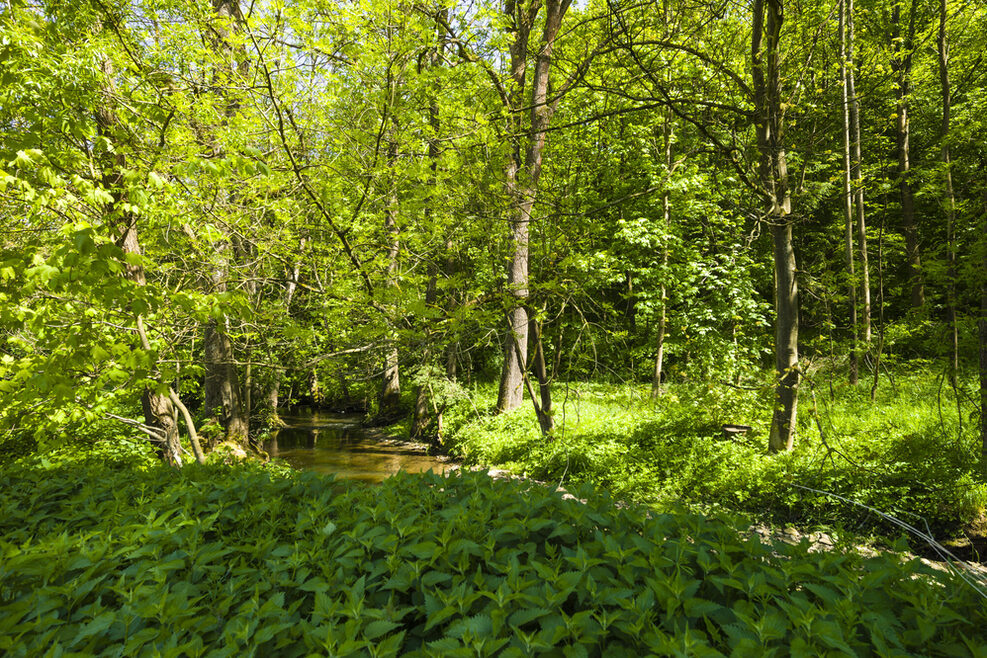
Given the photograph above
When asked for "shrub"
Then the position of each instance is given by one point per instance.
(900, 455)
(100, 559)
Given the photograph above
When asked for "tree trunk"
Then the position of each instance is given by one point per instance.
(949, 200)
(848, 195)
(422, 418)
(390, 390)
(666, 218)
(857, 178)
(544, 411)
(983, 327)
(223, 401)
(901, 63)
(522, 183)
(268, 398)
(158, 409)
(221, 385)
(766, 74)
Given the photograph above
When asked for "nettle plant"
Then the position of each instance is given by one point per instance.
(101, 559)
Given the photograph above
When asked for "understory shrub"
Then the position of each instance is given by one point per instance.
(900, 455)
(99, 558)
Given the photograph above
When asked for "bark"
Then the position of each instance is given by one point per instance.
(666, 214)
(422, 419)
(983, 350)
(522, 181)
(158, 410)
(949, 199)
(901, 63)
(221, 385)
(857, 178)
(848, 194)
(544, 411)
(390, 390)
(983, 327)
(773, 176)
(269, 398)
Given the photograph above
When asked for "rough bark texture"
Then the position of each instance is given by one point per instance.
(901, 63)
(221, 384)
(158, 410)
(522, 180)
(766, 74)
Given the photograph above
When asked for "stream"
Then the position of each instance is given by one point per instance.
(329, 442)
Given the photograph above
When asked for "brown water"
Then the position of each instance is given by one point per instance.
(328, 442)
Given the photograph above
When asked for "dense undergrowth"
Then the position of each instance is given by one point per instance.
(905, 455)
(121, 556)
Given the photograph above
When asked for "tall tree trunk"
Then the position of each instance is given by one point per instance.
(223, 400)
(666, 218)
(949, 200)
(522, 182)
(766, 74)
(157, 407)
(901, 63)
(982, 333)
(390, 391)
(856, 176)
(424, 404)
(848, 194)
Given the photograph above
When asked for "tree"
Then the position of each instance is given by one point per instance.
(522, 172)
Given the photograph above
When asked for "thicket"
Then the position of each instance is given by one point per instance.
(906, 454)
(116, 555)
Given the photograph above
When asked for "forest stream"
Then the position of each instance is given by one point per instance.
(330, 442)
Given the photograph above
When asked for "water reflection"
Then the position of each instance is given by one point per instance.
(335, 443)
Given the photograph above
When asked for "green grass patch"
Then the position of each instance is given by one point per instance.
(906, 454)
(123, 557)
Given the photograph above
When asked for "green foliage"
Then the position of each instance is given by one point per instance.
(101, 559)
(900, 455)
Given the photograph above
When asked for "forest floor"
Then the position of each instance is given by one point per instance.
(859, 468)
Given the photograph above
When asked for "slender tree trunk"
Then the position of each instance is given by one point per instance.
(901, 63)
(857, 178)
(522, 184)
(424, 403)
(848, 195)
(544, 411)
(983, 327)
(768, 18)
(390, 391)
(949, 200)
(666, 218)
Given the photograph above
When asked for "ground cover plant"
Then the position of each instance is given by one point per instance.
(120, 556)
(902, 454)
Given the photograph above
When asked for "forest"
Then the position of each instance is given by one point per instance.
(706, 279)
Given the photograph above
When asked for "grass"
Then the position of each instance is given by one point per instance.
(905, 454)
